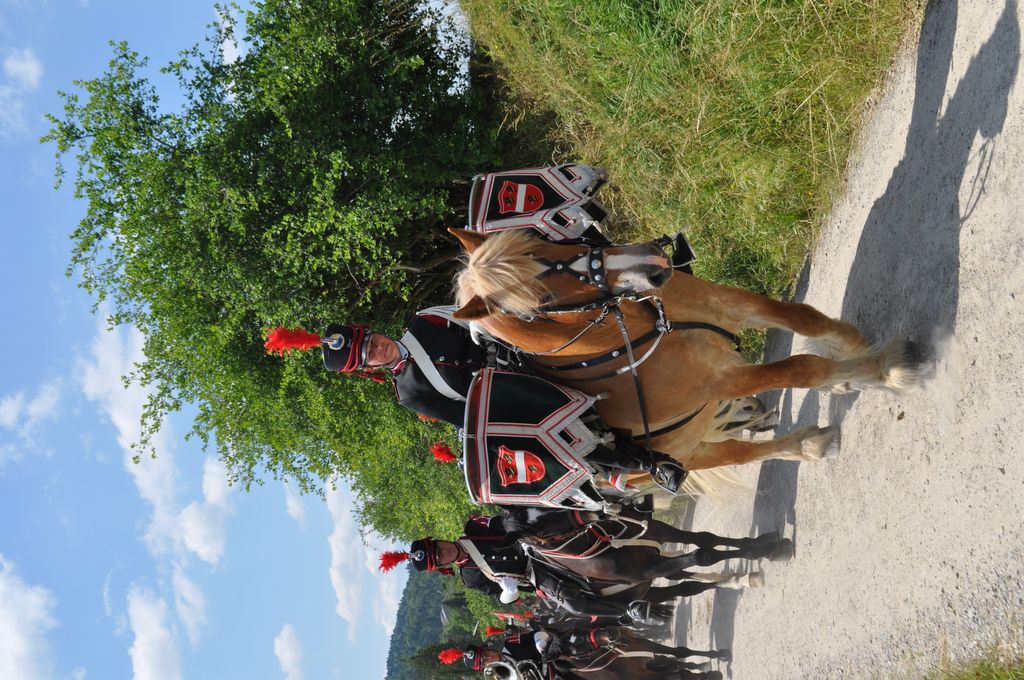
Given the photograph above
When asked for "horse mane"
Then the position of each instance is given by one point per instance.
(503, 274)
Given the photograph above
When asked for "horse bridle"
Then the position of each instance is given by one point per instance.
(594, 272)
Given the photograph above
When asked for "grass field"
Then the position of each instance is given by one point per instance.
(731, 119)
(985, 670)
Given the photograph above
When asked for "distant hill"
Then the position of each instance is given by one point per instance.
(418, 624)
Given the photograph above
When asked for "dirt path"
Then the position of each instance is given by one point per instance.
(910, 545)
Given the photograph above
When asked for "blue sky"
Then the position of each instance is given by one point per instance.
(158, 570)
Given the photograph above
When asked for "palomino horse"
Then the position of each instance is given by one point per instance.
(567, 306)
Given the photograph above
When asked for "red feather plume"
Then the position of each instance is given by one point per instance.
(442, 452)
(491, 631)
(513, 615)
(450, 655)
(391, 559)
(281, 339)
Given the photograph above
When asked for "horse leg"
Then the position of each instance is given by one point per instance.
(895, 366)
(780, 550)
(752, 579)
(666, 533)
(644, 645)
(684, 589)
(810, 443)
(834, 337)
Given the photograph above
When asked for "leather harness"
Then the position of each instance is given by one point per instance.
(606, 304)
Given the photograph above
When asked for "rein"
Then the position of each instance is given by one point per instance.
(595, 274)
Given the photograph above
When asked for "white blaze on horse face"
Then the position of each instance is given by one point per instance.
(634, 269)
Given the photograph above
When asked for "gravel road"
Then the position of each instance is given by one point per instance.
(910, 545)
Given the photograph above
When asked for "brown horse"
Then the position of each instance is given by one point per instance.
(545, 298)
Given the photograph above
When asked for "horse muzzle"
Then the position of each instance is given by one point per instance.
(639, 268)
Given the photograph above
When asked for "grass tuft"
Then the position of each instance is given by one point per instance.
(731, 119)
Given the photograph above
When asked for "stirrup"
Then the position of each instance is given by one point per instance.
(644, 505)
(669, 475)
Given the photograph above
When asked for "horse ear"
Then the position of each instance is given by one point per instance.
(470, 240)
(472, 310)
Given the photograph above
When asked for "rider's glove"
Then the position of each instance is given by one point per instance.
(509, 589)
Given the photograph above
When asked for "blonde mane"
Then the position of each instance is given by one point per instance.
(503, 274)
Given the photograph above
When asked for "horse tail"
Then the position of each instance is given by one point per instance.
(734, 416)
(662, 611)
(717, 484)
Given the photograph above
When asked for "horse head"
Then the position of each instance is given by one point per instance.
(513, 272)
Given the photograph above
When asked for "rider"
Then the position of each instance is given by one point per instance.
(491, 558)
(433, 365)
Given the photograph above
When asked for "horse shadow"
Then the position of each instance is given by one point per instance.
(905, 278)
(774, 506)
(908, 255)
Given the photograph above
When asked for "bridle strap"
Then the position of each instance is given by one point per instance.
(594, 271)
(620, 319)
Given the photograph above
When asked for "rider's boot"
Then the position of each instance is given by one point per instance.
(664, 470)
(667, 473)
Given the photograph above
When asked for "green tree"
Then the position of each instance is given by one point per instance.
(307, 182)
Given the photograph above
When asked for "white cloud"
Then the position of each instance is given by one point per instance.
(154, 652)
(202, 524)
(229, 51)
(202, 531)
(173, 532)
(22, 73)
(293, 504)
(10, 410)
(23, 69)
(345, 571)
(77, 674)
(23, 416)
(354, 564)
(289, 652)
(43, 406)
(189, 603)
(26, 616)
(389, 585)
(115, 354)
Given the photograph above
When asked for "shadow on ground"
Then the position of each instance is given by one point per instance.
(905, 276)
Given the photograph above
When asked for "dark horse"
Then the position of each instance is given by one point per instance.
(617, 558)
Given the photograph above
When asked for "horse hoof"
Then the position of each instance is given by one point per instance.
(755, 579)
(783, 551)
(822, 443)
(831, 449)
(903, 365)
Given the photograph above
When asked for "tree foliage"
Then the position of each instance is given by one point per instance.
(308, 181)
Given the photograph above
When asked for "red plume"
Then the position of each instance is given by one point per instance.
(442, 452)
(490, 631)
(450, 655)
(391, 559)
(281, 339)
(512, 615)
